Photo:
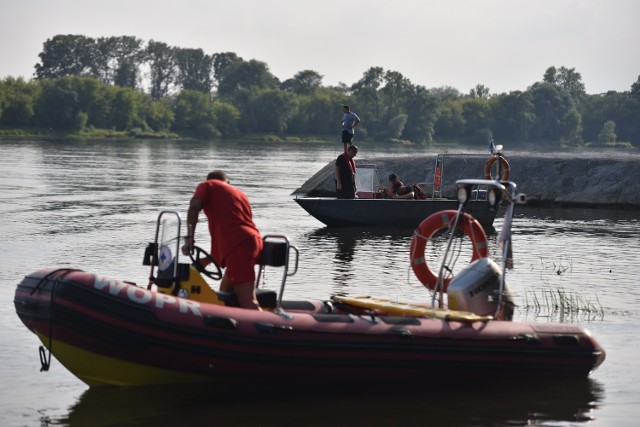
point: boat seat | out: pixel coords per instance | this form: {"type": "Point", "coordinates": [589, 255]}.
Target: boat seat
{"type": "Point", "coordinates": [266, 298]}
{"type": "Point", "coordinates": [276, 250]}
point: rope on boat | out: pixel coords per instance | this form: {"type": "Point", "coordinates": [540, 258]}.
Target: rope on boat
{"type": "Point", "coordinates": [45, 359]}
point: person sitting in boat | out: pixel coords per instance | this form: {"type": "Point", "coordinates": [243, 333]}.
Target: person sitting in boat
{"type": "Point", "coordinates": [235, 240]}
{"type": "Point", "coordinates": [397, 189]}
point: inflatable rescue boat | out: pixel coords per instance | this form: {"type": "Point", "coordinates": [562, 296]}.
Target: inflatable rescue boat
{"type": "Point", "coordinates": [177, 329]}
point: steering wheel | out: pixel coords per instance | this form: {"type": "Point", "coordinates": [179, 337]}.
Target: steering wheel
{"type": "Point", "coordinates": [213, 272]}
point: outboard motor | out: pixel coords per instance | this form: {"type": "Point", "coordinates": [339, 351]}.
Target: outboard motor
{"type": "Point", "coordinates": [476, 289]}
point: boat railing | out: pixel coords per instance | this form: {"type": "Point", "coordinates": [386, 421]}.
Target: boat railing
{"type": "Point", "coordinates": [276, 252]}
{"type": "Point", "coordinates": [498, 192]}
{"type": "Point", "coordinates": [163, 253]}
{"type": "Point", "coordinates": [435, 181]}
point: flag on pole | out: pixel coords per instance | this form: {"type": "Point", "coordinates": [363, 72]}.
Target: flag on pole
{"type": "Point", "coordinates": [492, 146]}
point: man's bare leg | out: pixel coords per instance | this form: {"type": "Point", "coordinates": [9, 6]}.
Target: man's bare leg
{"type": "Point", "coordinates": [246, 295]}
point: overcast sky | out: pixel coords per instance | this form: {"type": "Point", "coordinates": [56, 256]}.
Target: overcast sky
{"type": "Point", "coordinates": [505, 45]}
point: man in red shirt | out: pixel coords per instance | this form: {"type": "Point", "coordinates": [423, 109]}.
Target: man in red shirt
{"type": "Point", "coordinates": [345, 174]}
{"type": "Point", "coordinates": [235, 240]}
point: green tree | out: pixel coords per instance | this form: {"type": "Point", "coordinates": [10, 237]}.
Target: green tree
{"type": "Point", "coordinates": [512, 116]}
{"type": "Point", "coordinates": [551, 76]}
{"type": "Point", "coordinates": [58, 107]}
{"type": "Point", "coordinates": [480, 91]}
{"type": "Point", "coordinates": [17, 99]}
{"type": "Point", "coordinates": [555, 114]}
{"type": "Point", "coordinates": [126, 108]}
{"type": "Point", "coordinates": [272, 109]}
{"type": "Point", "coordinates": [571, 81]}
{"type": "Point", "coordinates": [157, 115]}
{"type": "Point", "coordinates": [162, 68]}
{"type": "Point", "coordinates": [445, 93]}
{"type": "Point", "coordinates": [193, 111]}
{"type": "Point", "coordinates": [227, 117]}
{"type": "Point", "coordinates": [221, 61]}
{"type": "Point", "coordinates": [477, 117]}
{"type": "Point", "coordinates": [608, 132]}
{"type": "Point", "coordinates": [367, 93]}
{"type": "Point", "coordinates": [451, 122]}
{"type": "Point", "coordinates": [318, 114]}
{"type": "Point", "coordinates": [422, 109]}
{"type": "Point", "coordinates": [383, 98]}
{"type": "Point", "coordinates": [96, 100]}
{"type": "Point", "coordinates": [242, 75]}
{"type": "Point", "coordinates": [66, 55]}
{"type": "Point", "coordinates": [396, 126]}
{"type": "Point", "coordinates": [619, 107]}
{"type": "Point", "coordinates": [195, 70]}
{"type": "Point", "coordinates": [635, 89]}
{"type": "Point", "coordinates": [568, 79]}
{"type": "Point", "coordinates": [305, 82]}
{"type": "Point", "coordinates": [120, 59]}
{"type": "Point", "coordinates": [395, 93]}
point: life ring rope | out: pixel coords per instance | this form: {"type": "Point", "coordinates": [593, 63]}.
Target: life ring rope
{"type": "Point", "coordinates": [431, 225]}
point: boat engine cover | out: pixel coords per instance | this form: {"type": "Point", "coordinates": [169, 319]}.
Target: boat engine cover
{"type": "Point", "coordinates": [476, 288]}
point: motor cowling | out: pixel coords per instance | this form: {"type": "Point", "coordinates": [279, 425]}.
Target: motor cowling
{"type": "Point", "coordinates": [476, 289]}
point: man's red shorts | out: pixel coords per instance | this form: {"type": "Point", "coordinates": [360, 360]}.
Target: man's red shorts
{"type": "Point", "coordinates": [241, 261]}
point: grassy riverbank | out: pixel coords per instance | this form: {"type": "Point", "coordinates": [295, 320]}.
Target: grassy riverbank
{"type": "Point", "coordinates": [107, 134]}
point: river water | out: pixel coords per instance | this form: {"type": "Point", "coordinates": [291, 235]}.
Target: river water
{"type": "Point", "coordinates": [93, 205]}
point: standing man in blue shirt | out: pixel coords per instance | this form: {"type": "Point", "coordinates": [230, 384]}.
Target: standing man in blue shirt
{"type": "Point", "coordinates": [349, 121]}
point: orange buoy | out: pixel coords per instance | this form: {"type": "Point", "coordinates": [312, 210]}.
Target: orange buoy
{"type": "Point", "coordinates": [503, 164]}
{"type": "Point", "coordinates": [431, 225]}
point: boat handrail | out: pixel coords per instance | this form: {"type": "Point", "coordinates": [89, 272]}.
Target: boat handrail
{"type": "Point", "coordinates": [498, 192]}
{"type": "Point", "coordinates": [276, 253]}
{"type": "Point", "coordinates": [156, 249]}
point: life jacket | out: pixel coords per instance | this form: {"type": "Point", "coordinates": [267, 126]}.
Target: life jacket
{"type": "Point", "coordinates": [418, 192]}
{"type": "Point", "coordinates": [350, 162]}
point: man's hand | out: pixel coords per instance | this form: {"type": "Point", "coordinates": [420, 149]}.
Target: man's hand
{"type": "Point", "coordinates": [187, 248]}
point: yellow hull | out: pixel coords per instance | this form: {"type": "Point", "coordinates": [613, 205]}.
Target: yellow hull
{"type": "Point", "coordinates": [97, 370]}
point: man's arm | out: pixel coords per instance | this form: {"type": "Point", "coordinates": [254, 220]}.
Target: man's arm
{"type": "Point", "coordinates": [338, 182]}
{"type": "Point", "coordinates": [408, 195]}
{"type": "Point", "coordinates": [404, 193]}
{"type": "Point", "coordinates": [192, 220]}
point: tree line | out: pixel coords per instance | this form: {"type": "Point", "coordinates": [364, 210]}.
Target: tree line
{"type": "Point", "coordinates": [127, 85]}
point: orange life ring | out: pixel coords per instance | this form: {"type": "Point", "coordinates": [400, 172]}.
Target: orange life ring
{"type": "Point", "coordinates": [503, 164]}
{"type": "Point", "coordinates": [434, 223]}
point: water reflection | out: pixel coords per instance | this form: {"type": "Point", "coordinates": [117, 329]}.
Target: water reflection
{"type": "Point", "coordinates": [495, 403]}
{"type": "Point", "coordinates": [347, 244]}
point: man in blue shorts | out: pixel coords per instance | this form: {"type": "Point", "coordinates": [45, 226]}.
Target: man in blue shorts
{"type": "Point", "coordinates": [349, 121]}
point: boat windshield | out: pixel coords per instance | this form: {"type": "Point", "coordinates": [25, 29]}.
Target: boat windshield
{"type": "Point", "coordinates": [367, 181]}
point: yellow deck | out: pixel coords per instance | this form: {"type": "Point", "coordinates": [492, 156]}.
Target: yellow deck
{"type": "Point", "coordinates": [410, 310]}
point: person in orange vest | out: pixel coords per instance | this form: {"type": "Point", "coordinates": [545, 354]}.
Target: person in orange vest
{"type": "Point", "coordinates": [346, 174]}
{"type": "Point", "coordinates": [397, 189]}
